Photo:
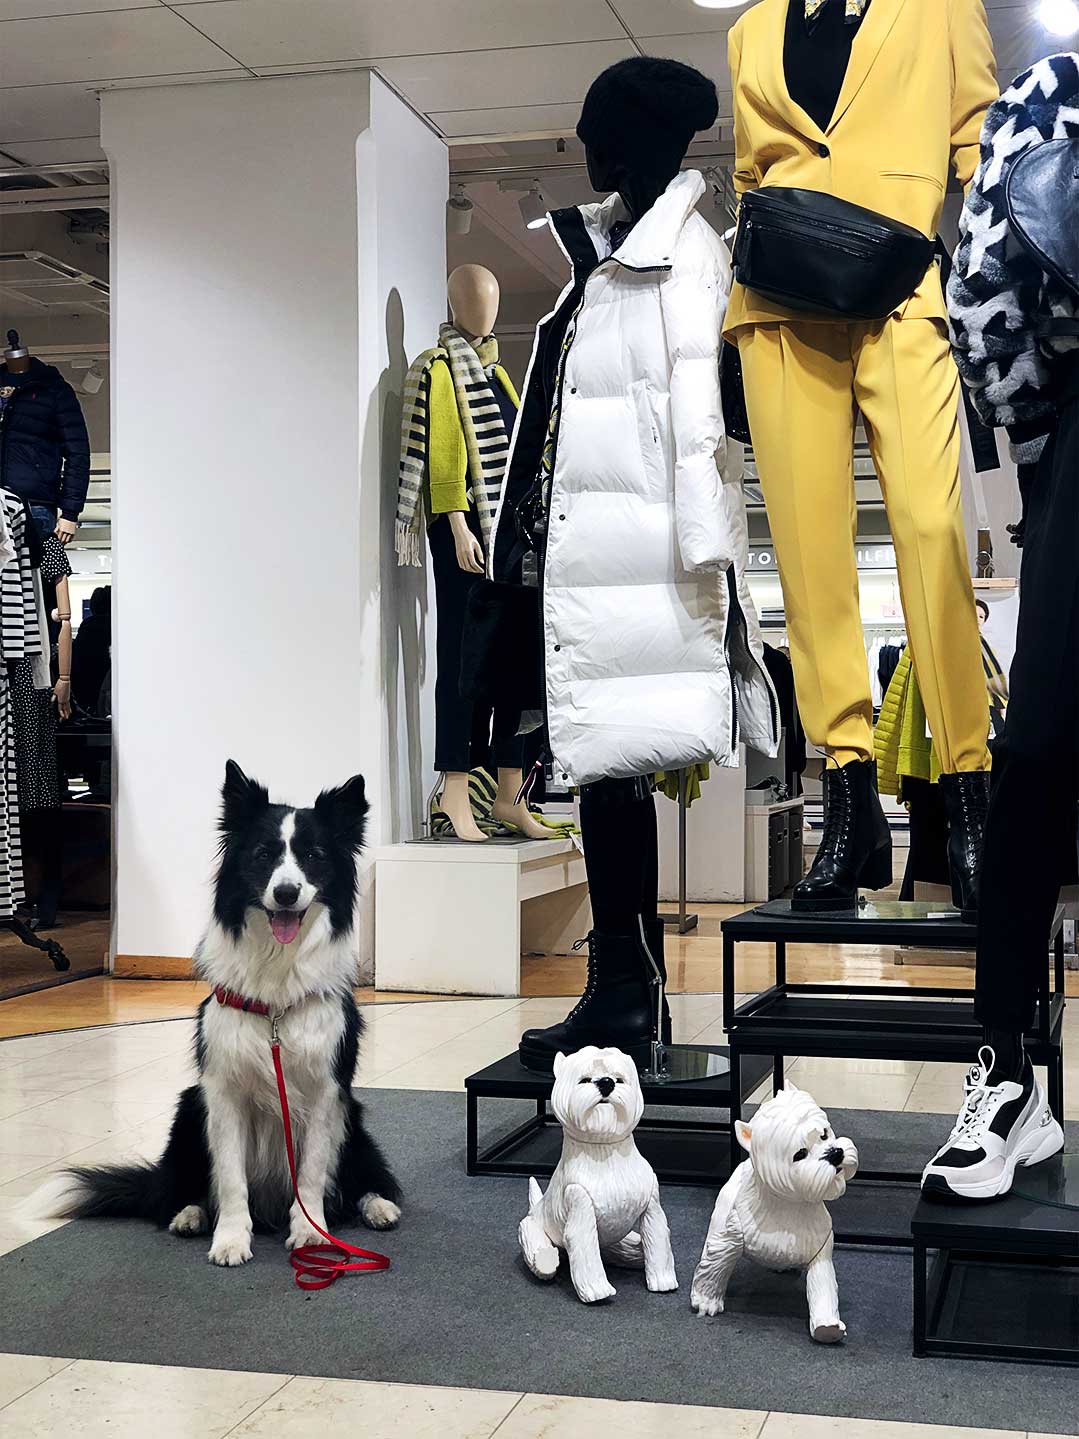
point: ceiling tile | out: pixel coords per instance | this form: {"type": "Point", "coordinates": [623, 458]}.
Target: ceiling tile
{"type": "Point", "coordinates": [265, 33]}
{"type": "Point", "coordinates": [536, 75]}
{"type": "Point", "coordinates": [707, 53]}
{"type": "Point", "coordinates": [36, 9]}
{"type": "Point", "coordinates": [56, 152]}
{"type": "Point", "coordinates": [108, 46]}
{"type": "Point", "coordinates": [47, 112]}
{"type": "Point", "coordinates": [646, 18]}
{"type": "Point", "coordinates": [509, 120]}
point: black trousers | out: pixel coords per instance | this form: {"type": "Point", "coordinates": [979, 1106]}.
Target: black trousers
{"type": "Point", "coordinates": [621, 852]}
{"type": "Point", "coordinates": [466, 735]}
{"type": "Point", "coordinates": [1030, 840]}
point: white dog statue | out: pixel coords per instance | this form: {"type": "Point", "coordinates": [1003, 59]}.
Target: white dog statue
{"type": "Point", "coordinates": [772, 1209]}
{"type": "Point", "coordinates": [603, 1199]}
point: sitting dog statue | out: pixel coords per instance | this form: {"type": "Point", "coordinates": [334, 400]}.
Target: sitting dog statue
{"type": "Point", "coordinates": [772, 1209]}
{"type": "Point", "coordinates": [603, 1199]}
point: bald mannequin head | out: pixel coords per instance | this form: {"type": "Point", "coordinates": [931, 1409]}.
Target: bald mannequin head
{"type": "Point", "coordinates": [473, 297]}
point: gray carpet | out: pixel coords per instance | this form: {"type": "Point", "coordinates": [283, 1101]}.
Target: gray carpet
{"type": "Point", "coordinates": [458, 1308]}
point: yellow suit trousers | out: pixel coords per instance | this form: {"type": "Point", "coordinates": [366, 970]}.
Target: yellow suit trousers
{"type": "Point", "coordinates": [805, 382]}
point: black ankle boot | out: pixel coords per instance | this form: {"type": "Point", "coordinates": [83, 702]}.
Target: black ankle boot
{"type": "Point", "coordinates": [856, 846]}
{"type": "Point", "coordinates": [966, 798]}
{"type": "Point", "coordinates": [615, 1009]}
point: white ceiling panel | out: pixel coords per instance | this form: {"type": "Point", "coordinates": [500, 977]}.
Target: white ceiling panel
{"type": "Point", "coordinates": [707, 53]}
{"type": "Point", "coordinates": [262, 33]}
{"type": "Point", "coordinates": [53, 152]}
{"type": "Point", "coordinates": [47, 112]}
{"type": "Point", "coordinates": [532, 76]}
{"type": "Point", "coordinates": [646, 18]}
{"type": "Point", "coordinates": [509, 120]}
{"type": "Point", "coordinates": [37, 9]}
{"type": "Point", "coordinates": [107, 46]}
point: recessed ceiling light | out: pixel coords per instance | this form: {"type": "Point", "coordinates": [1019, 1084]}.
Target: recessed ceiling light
{"type": "Point", "coordinates": [719, 4]}
{"type": "Point", "coordinates": [1059, 17]}
{"type": "Point", "coordinates": [533, 208]}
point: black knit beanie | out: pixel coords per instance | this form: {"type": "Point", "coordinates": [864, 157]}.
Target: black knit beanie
{"type": "Point", "coordinates": [643, 112]}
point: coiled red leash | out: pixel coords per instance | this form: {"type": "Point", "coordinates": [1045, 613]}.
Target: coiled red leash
{"type": "Point", "coordinates": [317, 1266]}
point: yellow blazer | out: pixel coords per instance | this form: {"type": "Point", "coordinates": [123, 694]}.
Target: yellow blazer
{"type": "Point", "coordinates": [920, 79]}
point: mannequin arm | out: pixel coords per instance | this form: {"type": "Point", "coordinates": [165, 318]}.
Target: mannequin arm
{"type": "Point", "coordinates": [62, 688]}
{"type": "Point", "coordinates": [974, 82]}
{"type": "Point", "coordinates": [744, 176]}
{"type": "Point", "coordinates": [447, 458]}
{"type": "Point", "coordinates": [469, 549]}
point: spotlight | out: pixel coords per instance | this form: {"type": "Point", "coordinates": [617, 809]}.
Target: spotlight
{"type": "Point", "coordinates": [459, 212]}
{"type": "Point", "coordinates": [719, 4]}
{"type": "Point", "coordinates": [92, 381]}
{"type": "Point", "coordinates": [533, 208]}
{"type": "Point", "coordinates": [1059, 17]}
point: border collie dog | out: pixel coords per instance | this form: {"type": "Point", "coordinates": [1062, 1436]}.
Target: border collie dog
{"type": "Point", "coordinates": [278, 949]}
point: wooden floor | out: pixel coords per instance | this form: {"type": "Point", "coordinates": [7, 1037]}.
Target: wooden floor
{"type": "Point", "coordinates": [694, 966]}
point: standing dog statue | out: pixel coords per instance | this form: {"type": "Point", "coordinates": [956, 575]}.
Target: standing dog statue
{"type": "Point", "coordinates": [772, 1209]}
{"type": "Point", "coordinates": [603, 1199]}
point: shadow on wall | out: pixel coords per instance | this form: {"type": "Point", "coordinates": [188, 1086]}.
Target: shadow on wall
{"type": "Point", "coordinates": [404, 606]}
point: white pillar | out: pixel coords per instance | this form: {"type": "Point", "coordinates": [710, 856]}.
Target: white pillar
{"type": "Point", "coordinates": [277, 250]}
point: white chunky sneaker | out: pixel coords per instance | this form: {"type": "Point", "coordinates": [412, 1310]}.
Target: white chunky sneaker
{"type": "Point", "coordinates": [1000, 1127]}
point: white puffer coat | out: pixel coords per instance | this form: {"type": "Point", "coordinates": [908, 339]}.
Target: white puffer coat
{"type": "Point", "coordinates": [652, 647]}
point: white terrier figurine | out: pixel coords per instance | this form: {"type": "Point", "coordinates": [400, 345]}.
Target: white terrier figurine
{"type": "Point", "coordinates": [772, 1209]}
{"type": "Point", "coordinates": [603, 1198]}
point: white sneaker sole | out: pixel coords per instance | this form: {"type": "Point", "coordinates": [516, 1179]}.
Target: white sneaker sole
{"type": "Point", "coordinates": [1038, 1144]}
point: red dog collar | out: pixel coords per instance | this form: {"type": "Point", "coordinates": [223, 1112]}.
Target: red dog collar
{"type": "Point", "coordinates": [233, 1000]}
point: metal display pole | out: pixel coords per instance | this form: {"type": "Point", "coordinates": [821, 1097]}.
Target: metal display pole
{"type": "Point", "coordinates": [685, 922]}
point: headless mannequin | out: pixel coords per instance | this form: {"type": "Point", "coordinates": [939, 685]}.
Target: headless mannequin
{"type": "Point", "coordinates": [473, 296]}
{"type": "Point", "coordinates": [17, 362]}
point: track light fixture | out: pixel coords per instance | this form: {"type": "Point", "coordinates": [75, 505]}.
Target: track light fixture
{"type": "Point", "coordinates": [533, 208]}
{"type": "Point", "coordinates": [459, 212]}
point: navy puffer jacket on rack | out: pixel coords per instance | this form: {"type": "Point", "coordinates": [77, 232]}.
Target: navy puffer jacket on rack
{"type": "Point", "coordinates": [44, 447]}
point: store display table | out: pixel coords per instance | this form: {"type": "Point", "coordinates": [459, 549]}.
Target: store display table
{"type": "Point", "coordinates": [841, 1021]}
{"type": "Point", "coordinates": [681, 1150]}
{"type": "Point", "coordinates": [455, 918]}
{"type": "Point", "coordinates": [1003, 1282]}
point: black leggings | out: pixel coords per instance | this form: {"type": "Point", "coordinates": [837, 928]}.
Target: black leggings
{"type": "Point", "coordinates": [463, 730]}
{"type": "Point", "coordinates": [1030, 838]}
{"type": "Point", "coordinates": [621, 852]}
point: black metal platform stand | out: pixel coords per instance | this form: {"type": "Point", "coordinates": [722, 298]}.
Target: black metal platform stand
{"type": "Point", "coordinates": [23, 932]}
{"type": "Point", "coordinates": [838, 1021]}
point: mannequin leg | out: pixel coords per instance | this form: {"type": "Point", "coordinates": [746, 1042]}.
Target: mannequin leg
{"type": "Point", "coordinates": [508, 749]}
{"type": "Point", "coordinates": [907, 387]}
{"type": "Point", "coordinates": [621, 848]}
{"type": "Point", "coordinates": [799, 394]}
{"type": "Point", "coordinates": [453, 715]}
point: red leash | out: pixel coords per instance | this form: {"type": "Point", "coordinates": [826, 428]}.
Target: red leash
{"type": "Point", "coordinates": [317, 1266]}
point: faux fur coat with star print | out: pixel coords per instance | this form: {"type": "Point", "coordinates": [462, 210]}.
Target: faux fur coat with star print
{"type": "Point", "coordinates": [998, 294]}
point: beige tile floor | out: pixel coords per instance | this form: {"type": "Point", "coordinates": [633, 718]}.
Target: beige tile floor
{"type": "Point", "coordinates": [105, 1094]}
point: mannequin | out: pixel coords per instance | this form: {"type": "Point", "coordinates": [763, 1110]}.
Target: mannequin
{"type": "Point", "coordinates": [42, 426]}
{"type": "Point", "coordinates": [863, 100]}
{"type": "Point", "coordinates": [453, 497]}
{"type": "Point", "coordinates": [615, 464]}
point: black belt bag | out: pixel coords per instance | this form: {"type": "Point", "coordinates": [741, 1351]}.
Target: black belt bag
{"type": "Point", "coordinates": [811, 251]}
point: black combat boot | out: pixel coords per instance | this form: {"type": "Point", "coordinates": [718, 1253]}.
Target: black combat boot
{"type": "Point", "coordinates": [966, 798]}
{"type": "Point", "coordinates": [615, 1010]}
{"type": "Point", "coordinates": [856, 846]}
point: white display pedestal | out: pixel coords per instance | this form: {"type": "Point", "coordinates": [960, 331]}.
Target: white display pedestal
{"type": "Point", "coordinates": [455, 918]}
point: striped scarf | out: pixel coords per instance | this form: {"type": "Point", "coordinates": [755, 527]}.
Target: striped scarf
{"type": "Point", "coordinates": [486, 440]}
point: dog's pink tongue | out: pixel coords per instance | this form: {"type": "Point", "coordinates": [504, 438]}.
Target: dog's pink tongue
{"type": "Point", "coordinates": [285, 925]}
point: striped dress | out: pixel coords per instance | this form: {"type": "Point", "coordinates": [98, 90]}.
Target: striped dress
{"type": "Point", "coordinates": [20, 638]}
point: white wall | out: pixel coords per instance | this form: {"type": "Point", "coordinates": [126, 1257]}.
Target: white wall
{"type": "Point", "coordinates": [247, 275]}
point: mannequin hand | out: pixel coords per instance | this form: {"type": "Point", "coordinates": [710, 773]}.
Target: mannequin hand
{"type": "Point", "coordinates": [469, 549]}
{"type": "Point", "coordinates": [65, 530]}
{"type": "Point", "coordinates": [61, 697]}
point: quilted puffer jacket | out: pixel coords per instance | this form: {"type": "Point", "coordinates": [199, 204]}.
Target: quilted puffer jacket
{"type": "Point", "coordinates": [652, 647]}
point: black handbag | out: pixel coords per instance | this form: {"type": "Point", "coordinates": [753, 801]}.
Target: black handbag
{"type": "Point", "coordinates": [811, 251]}
{"type": "Point", "coordinates": [1042, 199]}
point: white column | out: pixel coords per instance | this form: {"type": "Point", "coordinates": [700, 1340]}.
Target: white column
{"type": "Point", "coordinates": [269, 277]}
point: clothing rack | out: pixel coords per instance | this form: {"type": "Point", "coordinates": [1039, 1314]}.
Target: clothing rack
{"type": "Point", "coordinates": [685, 922]}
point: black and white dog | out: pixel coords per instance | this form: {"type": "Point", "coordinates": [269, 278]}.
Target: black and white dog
{"type": "Point", "coordinates": [279, 947]}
